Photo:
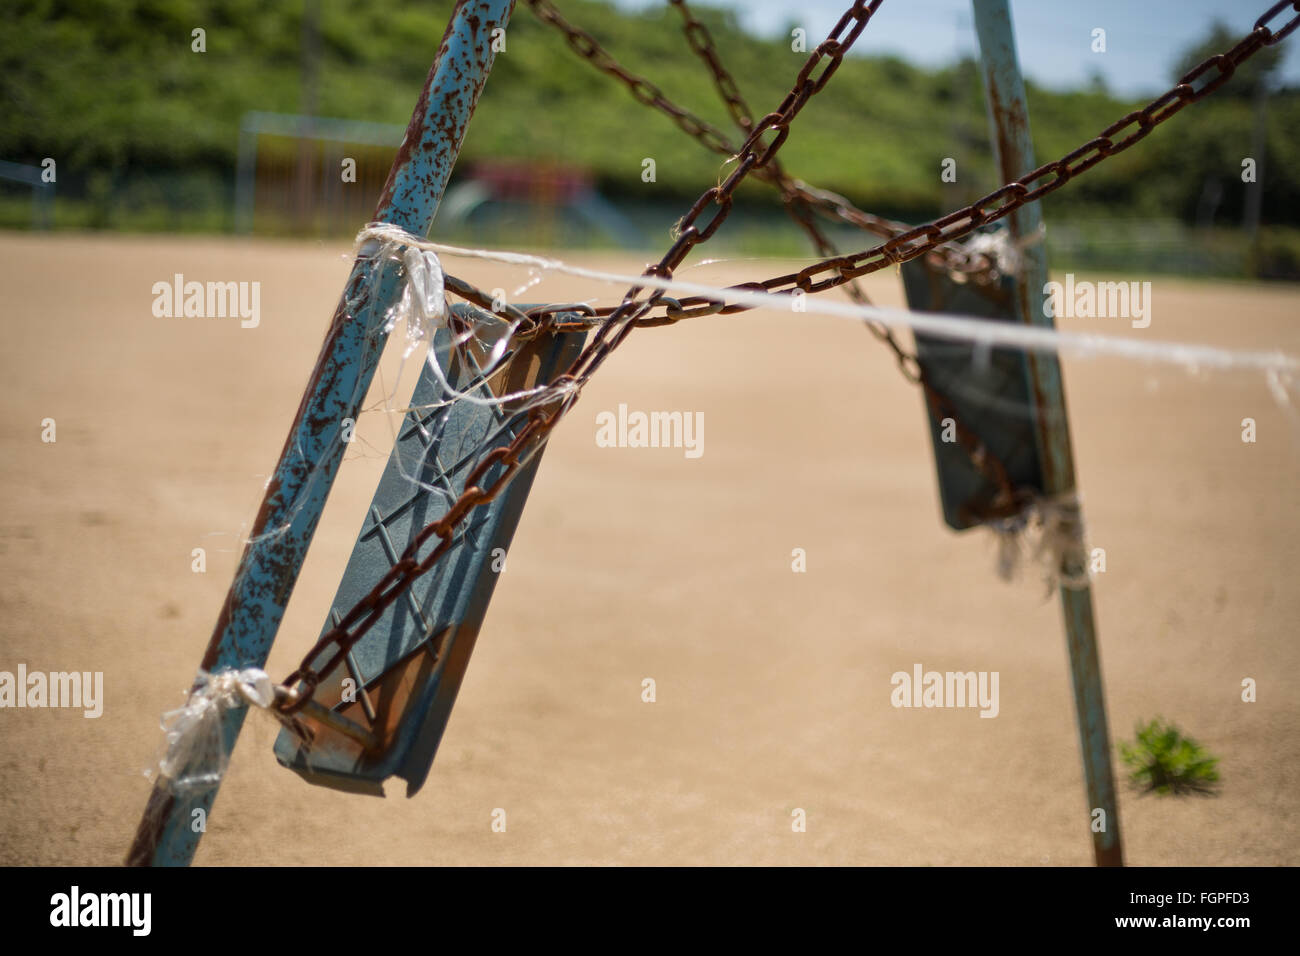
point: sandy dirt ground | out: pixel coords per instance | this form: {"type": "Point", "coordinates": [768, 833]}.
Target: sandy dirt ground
{"type": "Point", "coordinates": [773, 687]}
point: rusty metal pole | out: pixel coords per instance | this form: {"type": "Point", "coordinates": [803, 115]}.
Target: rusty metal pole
{"type": "Point", "coordinates": [1009, 121]}
{"type": "Point", "coordinates": [170, 829]}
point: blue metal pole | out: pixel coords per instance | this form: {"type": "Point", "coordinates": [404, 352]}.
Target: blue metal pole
{"type": "Point", "coordinates": [1009, 121]}
{"type": "Point", "coordinates": [170, 829]}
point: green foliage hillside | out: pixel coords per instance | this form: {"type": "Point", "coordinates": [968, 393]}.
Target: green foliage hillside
{"type": "Point", "coordinates": [112, 89]}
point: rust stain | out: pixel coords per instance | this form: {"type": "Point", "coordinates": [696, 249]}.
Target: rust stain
{"type": "Point", "coordinates": [392, 694]}
{"type": "Point", "coordinates": [448, 123]}
{"type": "Point", "coordinates": [1005, 125]}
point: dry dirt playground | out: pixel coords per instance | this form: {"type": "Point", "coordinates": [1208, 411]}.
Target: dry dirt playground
{"type": "Point", "coordinates": [773, 687]}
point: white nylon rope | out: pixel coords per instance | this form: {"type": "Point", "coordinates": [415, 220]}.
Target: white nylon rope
{"type": "Point", "coordinates": [1191, 356]}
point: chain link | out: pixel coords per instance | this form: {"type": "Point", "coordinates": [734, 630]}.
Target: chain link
{"type": "Point", "coordinates": [701, 43]}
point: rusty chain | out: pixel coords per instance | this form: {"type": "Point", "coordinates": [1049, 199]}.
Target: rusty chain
{"type": "Point", "coordinates": [918, 241]}
{"type": "Point", "coordinates": [701, 43]}
{"type": "Point", "coordinates": [755, 155]}
{"type": "Point", "coordinates": [981, 458]}
{"type": "Point", "coordinates": [410, 566]}
{"type": "Point", "coordinates": [832, 205]}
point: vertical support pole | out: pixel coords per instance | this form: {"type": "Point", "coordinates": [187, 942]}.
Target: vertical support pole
{"type": "Point", "coordinates": [169, 831]}
{"type": "Point", "coordinates": [1009, 121]}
